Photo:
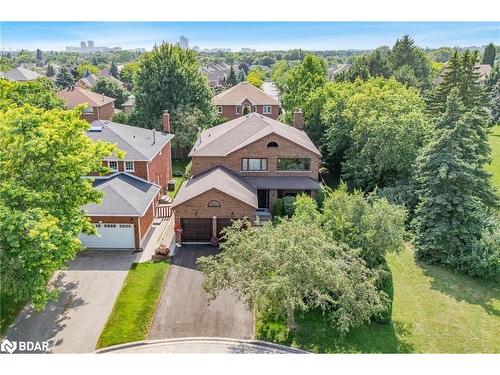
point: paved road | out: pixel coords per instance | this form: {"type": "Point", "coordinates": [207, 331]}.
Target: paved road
{"type": "Point", "coordinates": [73, 323]}
{"type": "Point", "coordinates": [202, 345]}
{"type": "Point", "coordinates": [183, 310]}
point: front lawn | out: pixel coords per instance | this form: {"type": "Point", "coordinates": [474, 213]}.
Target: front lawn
{"type": "Point", "coordinates": [134, 308]}
{"type": "Point", "coordinates": [494, 167]}
{"type": "Point", "coordinates": [435, 311]}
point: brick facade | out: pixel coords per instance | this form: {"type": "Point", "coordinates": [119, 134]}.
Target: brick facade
{"type": "Point", "coordinates": [198, 207]}
{"type": "Point", "coordinates": [229, 111]}
{"type": "Point", "coordinates": [100, 113]}
{"type": "Point", "coordinates": [259, 149]}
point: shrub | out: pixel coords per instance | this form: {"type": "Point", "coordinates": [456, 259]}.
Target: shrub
{"type": "Point", "coordinates": [178, 173]}
{"type": "Point", "coordinates": [288, 205]}
{"type": "Point", "coordinates": [188, 170]}
{"type": "Point", "coordinates": [385, 284]}
{"type": "Point", "coordinates": [278, 208]}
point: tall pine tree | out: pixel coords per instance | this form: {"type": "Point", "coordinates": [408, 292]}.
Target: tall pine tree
{"type": "Point", "coordinates": [489, 54]}
{"type": "Point", "coordinates": [64, 78]}
{"type": "Point", "coordinates": [456, 198]}
{"type": "Point", "coordinates": [231, 78]}
{"type": "Point", "coordinates": [113, 70]}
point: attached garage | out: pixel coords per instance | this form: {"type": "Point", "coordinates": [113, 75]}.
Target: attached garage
{"type": "Point", "coordinates": [111, 236]}
{"type": "Point", "coordinates": [196, 230]}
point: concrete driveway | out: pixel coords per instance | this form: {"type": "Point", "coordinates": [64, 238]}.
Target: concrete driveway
{"type": "Point", "coordinates": [184, 311]}
{"type": "Point", "coordinates": [73, 323]}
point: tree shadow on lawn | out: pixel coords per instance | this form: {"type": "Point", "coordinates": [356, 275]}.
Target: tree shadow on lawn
{"type": "Point", "coordinates": [464, 288]}
{"type": "Point", "coordinates": [316, 335]}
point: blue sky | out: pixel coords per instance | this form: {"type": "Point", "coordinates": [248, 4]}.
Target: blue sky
{"type": "Point", "coordinates": [235, 35]}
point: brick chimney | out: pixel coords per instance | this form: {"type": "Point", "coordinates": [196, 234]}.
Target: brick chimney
{"type": "Point", "coordinates": [298, 121]}
{"type": "Point", "coordinates": [166, 122]}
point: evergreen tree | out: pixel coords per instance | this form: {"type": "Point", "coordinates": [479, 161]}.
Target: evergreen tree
{"type": "Point", "coordinates": [64, 78]}
{"type": "Point", "coordinates": [460, 73]}
{"type": "Point", "coordinates": [489, 54]}
{"type": "Point", "coordinates": [39, 54]}
{"type": "Point", "coordinates": [50, 71]}
{"type": "Point", "coordinates": [455, 193]}
{"type": "Point", "coordinates": [495, 105]}
{"type": "Point", "coordinates": [241, 76]}
{"type": "Point", "coordinates": [113, 70]}
{"type": "Point", "coordinates": [231, 78]}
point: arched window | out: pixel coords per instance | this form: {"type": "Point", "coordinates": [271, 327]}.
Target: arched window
{"type": "Point", "coordinates": [272, 144]}
{"type": "Point", "coordinates": [214, 204]}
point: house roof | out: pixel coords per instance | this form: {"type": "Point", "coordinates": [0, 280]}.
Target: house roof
{"type": "Point", "coordinates": [74, 96]}
{"type": "Point", "coordinates": [124, 195]}
{"type": "Point", "coordinates": [221, 179]}
{"type": "Point", "coordinates": [236, 94]}
{"type": "Point", "coordinates": [221, 140]}
{"type": "Point", "coordinates": [88, 80]}
{"type": "Point", "coordinates": [136, 142]}
{"type": "Point", "coordinates": [484, 71]}
{"type": "Point", "coordinates": [283, 182]}
{"type": "Point", "coordinates": [21, 74]}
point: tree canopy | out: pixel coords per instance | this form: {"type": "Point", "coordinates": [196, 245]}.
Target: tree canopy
{"type": "Point", "coordinates": [166, 78]}
{"type": "Point", "coordinates": [489, 54]}
{"type": "Point", "coordinates": [256, 77]}
{"type": "Point", "coordinates": [40, 93]}
{"type": "Point", "coordinates": [43, 156]}
{"type": "Point", "coordinates": [113, 89]}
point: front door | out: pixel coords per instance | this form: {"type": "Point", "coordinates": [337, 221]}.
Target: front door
{"type": "Point", "coordinates": [263, 198]}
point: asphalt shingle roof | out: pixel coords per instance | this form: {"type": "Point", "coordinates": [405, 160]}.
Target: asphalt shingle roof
{"type": "Point", "coordinates": [221, 179]}
{"type": "Point", "coordinates": [283, 182]}
{"type": "Point", "coordinates": [233, 135]}
{"type": "Point", "coordinates": [21, 74]}
{"type": "Point", "coordinates": [124, 195]}
{"type": "Point", "coordinates": [244, 90]}
{"type": "Point", "coordinates": [74, 96]}
{"type": "Point", "coordinates": [136, 142]}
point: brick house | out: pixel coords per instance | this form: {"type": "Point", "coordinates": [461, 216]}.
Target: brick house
{"type": "Point", "coordinates": [99, 106]}
{"type": "Point", "coordinates": [132, 189]}
{"type": "Point", "coordinates": [239, 170]}
{"type": "Point", "coordinates": [245, 98]}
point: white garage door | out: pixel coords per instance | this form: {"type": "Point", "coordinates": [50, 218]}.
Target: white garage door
{"type": "Point", "coordinates": [110, 236]}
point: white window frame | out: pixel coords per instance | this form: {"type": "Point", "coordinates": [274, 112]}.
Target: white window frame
{"type": "Point", "coordinates": [237, 109]}
{"type": "Point", "coordinates": [219, 109]}
{"type": "Point", "coordinates": [245, 165]}
{"type": "Point", "coordinates": [88, 110]}
{"type": "Point", "coordinates": [267, 110]}
{"type": "Point", "coordinates": [129, 169]}
{"type": "Point", "coordinates": [110, 167]}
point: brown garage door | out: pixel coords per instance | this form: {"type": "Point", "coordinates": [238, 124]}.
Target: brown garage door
{"type": "Point", "coordinates": [221, 224]}
{"type": "Point", "coordinates": [196, 229]}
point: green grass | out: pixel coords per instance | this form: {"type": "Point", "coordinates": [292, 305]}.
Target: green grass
{"type": "Point", "coordinates": [179, 165]}
{"type": "Point", "coordinates": [9, 309]}
{"type": "Point", "coordinates": [494, 167]}
{"type": "Point", "coordinates": [134, 308]}
{"type": "Point", "coordinates": [435, 311]}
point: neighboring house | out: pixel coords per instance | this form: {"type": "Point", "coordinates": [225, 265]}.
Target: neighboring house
{"type": "Point", "coordinates": [484, 71]}
{"type": "Point", "coordinates": [87, 82]}
{"type": "Point", "coordinates": [245, 98]}
{"type": "Point", "coordinates": [21, 74]}
{"type": "Point", "coordinates": [239, 170]}
{"type": "Point", "coordinates": [132, 190]}
{"type": "Point", "coordinates": [337, 69]}
{"type": "Point", "coordinates": [217, 73]}
{"type": "Point", "coordinates": [99, 106]}
{"type": "Point", "coordinates": [128, 106]}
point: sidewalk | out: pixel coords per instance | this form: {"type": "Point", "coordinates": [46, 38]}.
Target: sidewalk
{"type": "Point", "coordinates": [161, 233]}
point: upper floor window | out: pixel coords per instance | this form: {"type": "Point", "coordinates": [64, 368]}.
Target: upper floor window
{"type": "Point", "coordinates": [254, 108]}
{"type": "Point", "coordinates": [129, 166]}
{"type": "Point", "coordinates": [214, 203]}
{"type": "Point", "coordinates": [296, 164]}
{"type": "Point", "coordinates": [219, 109]}
{"type": "Point", "coordinates": [237, 110]}
{"type": "Point", "coordinates": [272, 144]}
{"type": "Point", "coordinates": [113, 165]}
{"type": "Point", "coordinates": [254, 164]}
{"type": "Point", "coordinates": [88, 111]}
{"type": "Point", "coordinates": [266, 110]}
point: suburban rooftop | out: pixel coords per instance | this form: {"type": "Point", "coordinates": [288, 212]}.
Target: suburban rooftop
{"type": "Point", "coordinates": [236, 95]}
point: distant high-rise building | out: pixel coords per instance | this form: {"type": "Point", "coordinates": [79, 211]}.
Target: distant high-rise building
{"type": "Point", "coordinates": [90, 45]}
{"type": "Point", "coordinates": [83, 46]}
{"type": "Point", "coordinates": [183, 42]}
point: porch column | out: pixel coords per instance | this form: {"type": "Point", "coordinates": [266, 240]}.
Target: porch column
{"type": "Point", "coordinates": [214, 226]}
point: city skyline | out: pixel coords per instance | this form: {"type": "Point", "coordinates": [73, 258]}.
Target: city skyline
{"type": "Point", "coordinates": [241, 35]}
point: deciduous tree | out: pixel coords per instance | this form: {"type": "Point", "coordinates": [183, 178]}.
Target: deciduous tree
{"type": "Point", "coordinates": [113, 89]}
